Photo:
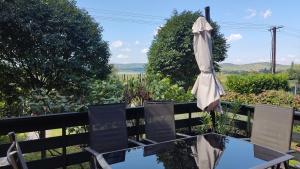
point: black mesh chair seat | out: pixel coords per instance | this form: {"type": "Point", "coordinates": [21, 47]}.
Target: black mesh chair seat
{"type": "Point", "coordinates": [160, 122]}
{"type": "Point", "coordinates": [272, 128]}
{"type": "Point", "coordinates": [107, 130]}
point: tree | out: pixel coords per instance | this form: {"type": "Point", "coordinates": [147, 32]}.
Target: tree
{"type": "Point", "coordinates": [294, 72]}
{"type": "Point", "coordinates": [171, 53]}
{"type": "Point", "coordinates": [49, 44]}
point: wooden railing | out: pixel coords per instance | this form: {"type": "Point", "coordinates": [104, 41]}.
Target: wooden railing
{"type": "Point", "coordinates": [73, 119]}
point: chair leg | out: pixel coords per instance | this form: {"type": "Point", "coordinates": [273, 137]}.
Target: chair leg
{"type": "Point", "coordinates": [96, 163]}
{"type": "Point", "coordinates": [278, 166]}
{"type": "Point", "coordinates": [93, 163]}
{"type": "Point", "coordinates": [286, 164]}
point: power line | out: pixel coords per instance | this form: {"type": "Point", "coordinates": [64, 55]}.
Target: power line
{"type": "Point", "coordinates": [149, 19]}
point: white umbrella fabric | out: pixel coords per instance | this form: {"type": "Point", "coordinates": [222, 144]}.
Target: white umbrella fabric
{"type": "Point", "coordinates": [207, 88]}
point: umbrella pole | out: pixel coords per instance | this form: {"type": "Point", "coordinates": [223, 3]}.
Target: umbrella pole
{"type": "Point", "coordinates": [212, 113]}
{"type": "Point", "coordinates": [213, 120]}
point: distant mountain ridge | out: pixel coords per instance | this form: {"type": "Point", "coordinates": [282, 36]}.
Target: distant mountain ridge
{"type": "Point", "coordinates": [130, 68]}
{"type": "Point", "coordinates": [256, 67]}
{"type": "Point", "coordinates": [225, 67]}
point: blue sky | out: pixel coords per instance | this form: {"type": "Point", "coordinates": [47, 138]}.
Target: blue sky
{"type": "Point", "coordinates": [129, 26]}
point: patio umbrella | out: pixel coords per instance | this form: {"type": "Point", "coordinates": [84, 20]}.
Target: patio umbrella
{"type": "Point", "coordinates": [207, 88]}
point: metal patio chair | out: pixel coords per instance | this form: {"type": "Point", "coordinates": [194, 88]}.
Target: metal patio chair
{"type": "Point", "coordinates": [160, 122]}
{"type": "Point", "coordinates": [14, 154]}
{"type": "Point", "coordinates": [107, 131]}
{"type": "Point", "coordinates": [272, 128]}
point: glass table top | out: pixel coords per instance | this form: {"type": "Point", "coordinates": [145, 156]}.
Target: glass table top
{"type": "Point", "coordinates": [200, 152]}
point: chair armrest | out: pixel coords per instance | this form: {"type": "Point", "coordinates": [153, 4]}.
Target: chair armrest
{"type": "Point", "coordinates": [100, 159]}
{"type": "Point", "coordinates": [183, 135]}
{"type": "Point", "coordinates": [92, 151]}
{"type": "Point", "coordinates": [150, 141]}
{"type": "Point", "coordinates": [136, 142]}
{"type": "Point", "coordinates": [246, 139]}
{"type": "Point", "coordinates": [291, 151]}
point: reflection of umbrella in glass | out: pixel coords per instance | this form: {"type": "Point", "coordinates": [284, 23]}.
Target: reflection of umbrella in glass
{"type": "Point", "coordinates": [208, 150]}
{"type": "Point", "coordinates": [207, 88]}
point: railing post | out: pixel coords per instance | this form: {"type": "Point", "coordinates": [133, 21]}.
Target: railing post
{"type": "Point", "coordinates": [42, 135]}
{"type": "Point", "coordinates": [64, 149]}
{"type": "Point", "coordinates": [190, 119]}
{"type": "Point", "coordinates": [137, 125]}
{"type": "Point", "coordinates": [213, 120]}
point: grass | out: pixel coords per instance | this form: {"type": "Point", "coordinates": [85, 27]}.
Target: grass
{"type": "Point", "coordinates": [5, 139]}
{"type": "Point", "coordinates": [49, 153]}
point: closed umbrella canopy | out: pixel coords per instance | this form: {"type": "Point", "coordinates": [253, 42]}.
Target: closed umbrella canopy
{"type": "Point", "coordinates": [207, 88]}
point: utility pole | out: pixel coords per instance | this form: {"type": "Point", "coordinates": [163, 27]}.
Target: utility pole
{"type": "Point", "coordinates": [273, 31]}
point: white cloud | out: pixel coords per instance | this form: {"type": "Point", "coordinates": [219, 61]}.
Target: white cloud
{"type": "Point", "coordinates": [267, 13]}
{"type": "Point", "coordinates": [292, 56]}
{"type": "Point", "coordinates": [137, 42]}
{"type": "Point", "coordinates": [155, 32]}
{"type": "Point", "coordinates": [263, 60]}
{"type": "Point", "coordinates": [117, 44]}
{"type": "Point", "coordinates": [121, 56]}
{"type": "Point", "coordinates": [145, 50]}
{"type": "Point", "coordinates": [251, 13]}
{"type": "Point", "coordinates": [234, 37]}
{"type": "Point", "coordinates": [157, 29]}
{"type": "Point", "coordinates": [126, 49]}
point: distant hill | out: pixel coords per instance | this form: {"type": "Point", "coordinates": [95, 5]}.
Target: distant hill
{"type": "Point", "coordinates": [225, 67]}
{"type": "Point", "coordinates": [256, 67]}
{"type": "Point", "coordinates": [130, 68]}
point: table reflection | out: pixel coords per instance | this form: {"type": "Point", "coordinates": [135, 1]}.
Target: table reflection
{"type": "Point", "coordinates": [208, 150]}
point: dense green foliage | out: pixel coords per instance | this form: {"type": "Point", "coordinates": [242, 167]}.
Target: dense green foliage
{"type": "Point", "coordinates": [48, 44]}
{"type": "Point", "coordinates": [41, 101]}
{"type": "Point", "coordinates": [171, 53]}
{"type": "Point", "coordinates": [136, 91]}
{"type": "Point", "coordinates": [256, 83]}
{"type": "Point", "coordinates": [294, 72]}
{"type": "Point", "coordinates": [280, 98]}
{"type": "Point", "coordinates": [106, 91]}
{"type": "Point", "coordinates": [164, 90]}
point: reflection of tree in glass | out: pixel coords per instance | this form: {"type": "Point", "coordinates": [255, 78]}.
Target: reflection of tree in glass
{"type": "Point", "coordinates": [177, 157]}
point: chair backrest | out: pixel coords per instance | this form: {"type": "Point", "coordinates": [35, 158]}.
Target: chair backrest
{"type": "Point", "coordinates": [159, 121]}
{"type": "Point", "coordinates": [272, 127]}
{"type": "Point", "coordinates": [14, 154]}
{"type": "Point", "coordinates": [107, 127]}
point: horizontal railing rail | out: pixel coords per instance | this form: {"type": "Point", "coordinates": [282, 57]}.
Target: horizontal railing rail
{"type": "Point", "coordinates": [73, 119]}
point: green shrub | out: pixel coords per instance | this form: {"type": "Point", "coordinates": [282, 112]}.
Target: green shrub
{"type": "Point", "coordinates": [136, 91]}
{"type": "Point", "coordinates": [256, 83]}
{"type": "Point", "coordinates": [280, 98]}
{"type": "Point", "coordinates": [294, 72]}
{"type": "Point", "coordinates": [42, 101]}
{"type": "Point", "coordinates": [164, 90]}
{"type": "Point", "coordinates": [105, 91]}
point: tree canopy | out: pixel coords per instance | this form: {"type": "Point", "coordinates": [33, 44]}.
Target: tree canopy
{"type": "Point", "coordinates": [50, 44]}
{"type": "Point", "coordinates": [171, 53]}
